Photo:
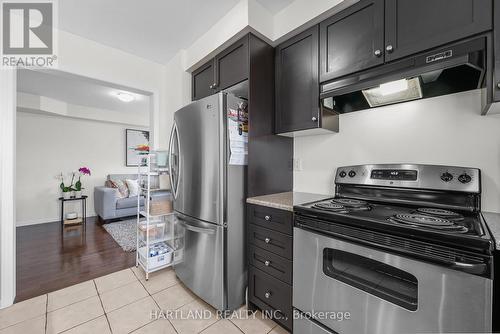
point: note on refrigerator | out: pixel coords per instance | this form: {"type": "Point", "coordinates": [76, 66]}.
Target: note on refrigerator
{"type": "Point", "coordinates": [238, 143]}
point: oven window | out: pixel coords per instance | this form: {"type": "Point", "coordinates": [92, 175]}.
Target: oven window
{"type": "Point", "coordinates": [374, 277]}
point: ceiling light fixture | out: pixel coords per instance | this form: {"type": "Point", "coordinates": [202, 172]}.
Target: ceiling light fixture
{"type": "Point", "coordinates": [125, 97]}
{"type": "Point", "coordinates": [394, 92]}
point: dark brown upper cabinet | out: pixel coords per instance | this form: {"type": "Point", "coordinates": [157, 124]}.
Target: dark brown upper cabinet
{"type": "Point", "coordinates": [352, 40]}
{"type": "Point", "coordinates": [227, 69]}
{"type": "Point", "coordinates": [202, 81]}
{"type": "Point", "coordinates": [231, 65]}
{"type": "Point", "coordinates": [415, 26]}
{"type": "Point", "coordinates": [297, 84]}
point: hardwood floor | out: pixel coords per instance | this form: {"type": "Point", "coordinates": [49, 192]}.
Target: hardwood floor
{"type": "Point", "coordinates": [46, 262]}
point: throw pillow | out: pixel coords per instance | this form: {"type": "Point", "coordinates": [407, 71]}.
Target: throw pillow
{"type": "Point", "coordinates": [120, 186]}
{"type": "Point", "coordinates": [133, 187]}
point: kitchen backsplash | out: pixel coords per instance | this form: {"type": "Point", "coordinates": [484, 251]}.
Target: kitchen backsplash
{"type": "Point", "coordinates": [446, 130]}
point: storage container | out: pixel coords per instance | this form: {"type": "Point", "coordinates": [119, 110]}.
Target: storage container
{"type": "Point", "coordinates": [156, 231]}
{"type": "Point", "coordinates": [158, 256]}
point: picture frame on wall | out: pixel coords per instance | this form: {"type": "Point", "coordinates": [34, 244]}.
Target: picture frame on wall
{"type": "Point", "coordinates": [134, 138]}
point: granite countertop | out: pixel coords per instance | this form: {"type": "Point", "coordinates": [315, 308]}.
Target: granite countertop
{"type": "Point", "coordinates": [286, 201]}
{"type": "Point", "coordinates": [493, 221]}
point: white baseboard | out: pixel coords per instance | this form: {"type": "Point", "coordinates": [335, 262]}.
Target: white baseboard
{"type": "Point", "coordinates": [37, 221]}
{"type": "Point", "coordinates": [4, 303]}
{"type": "Point", "coordinates": [45, 220]}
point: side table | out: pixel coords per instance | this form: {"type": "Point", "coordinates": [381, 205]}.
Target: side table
{"type": "Point", "coordinates": [83, 199]}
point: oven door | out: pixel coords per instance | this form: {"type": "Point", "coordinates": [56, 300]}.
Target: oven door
{"type": "Point", "coordinates": [379, 292]}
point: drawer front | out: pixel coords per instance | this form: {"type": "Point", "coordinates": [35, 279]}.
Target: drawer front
{"type": "Point", "coordinates": [307, 326]}
{"type": "Point", "coordinates": [270, 294]}
{"type": "Point", "coordinates": [271, 241]}
{"type": "Point", "coordinates": [271, 264]}
{"type": "Point", "coordinates": [274, 219]}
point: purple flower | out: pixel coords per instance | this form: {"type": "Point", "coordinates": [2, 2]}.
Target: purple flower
{"type": "Point", "coordinates": [84, 171]}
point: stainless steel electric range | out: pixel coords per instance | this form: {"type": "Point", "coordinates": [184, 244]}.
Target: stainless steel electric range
{"type": "Point", "coordinates": [400, 249]}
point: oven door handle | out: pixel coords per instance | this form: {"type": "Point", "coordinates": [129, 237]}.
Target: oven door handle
{"type": "Point", "coordinates": [471, 268]}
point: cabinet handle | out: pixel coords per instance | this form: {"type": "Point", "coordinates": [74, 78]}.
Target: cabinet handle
{"type": "Point", "coordinates": [267, 240]}
{"type": "Point", "coordinates": [378, 53]}
{"type": "Point", "coordinates": [498, 85]}
{"type": "Point", "coordinates": [268, 218]}
{"type": "Point", "coordinates": [267, 295]}
{"type": "Point", "coordinates": [267, 263]}
{"type": "Point", "coordinates": [389, 48]}
{"type": "Point", "coordinates": [314, 119]}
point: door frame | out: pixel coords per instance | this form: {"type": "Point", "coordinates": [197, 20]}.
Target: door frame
{"type": "Point", "coordinates": [8, 116]}
{"type": "Point", "coordinates": [7, 186]}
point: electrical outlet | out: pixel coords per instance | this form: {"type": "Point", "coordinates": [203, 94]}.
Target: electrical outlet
{"type": "Point", "coordinates": [297, 165]}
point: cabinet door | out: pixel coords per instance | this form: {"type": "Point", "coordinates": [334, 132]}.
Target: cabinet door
{"type": "Point", "coordinates": [414, 26]}
{"type": "Point", "coordinates": [352, 40]}
{"type": "Point", "coordinates": [231, 65]}
{"type": "Point", "coordinates": [496, 42]}
{"type": "Point", "coordinates": [202, 81]}
{"type": "Point", "coordinates": [297, 85]}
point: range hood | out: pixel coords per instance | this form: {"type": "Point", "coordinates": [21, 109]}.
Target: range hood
{"type": "Point", "coordinates": [455, 68]}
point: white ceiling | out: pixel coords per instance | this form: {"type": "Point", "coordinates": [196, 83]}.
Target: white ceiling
{"type": "Point", "coordinates": [152, 29]}
{"type": "Point", "coordinates": [76, 90]}
{"type": "Point", "coordinates": [274, 6]}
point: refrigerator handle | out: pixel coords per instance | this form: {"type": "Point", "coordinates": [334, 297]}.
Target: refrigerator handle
{"type": "Point", "coordinates": [196, 229]}
{"type": "Point", "coordinates": [173, 185]}
{"type": "Point", "coordinates": [190, 224]}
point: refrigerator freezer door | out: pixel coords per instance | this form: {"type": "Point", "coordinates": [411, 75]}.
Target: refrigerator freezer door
{"type": "Point", "coordinates": [198, 129]}
{"type": "Point", "coordinates": [202, 267]}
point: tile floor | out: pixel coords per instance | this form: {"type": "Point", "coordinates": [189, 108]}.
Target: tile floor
{"type": "Point", "coordinates": [123, 302]}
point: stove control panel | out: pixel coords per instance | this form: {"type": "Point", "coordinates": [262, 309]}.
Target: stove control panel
{"type": "Point", "coordinates": [394, 174]}
{"type": "Point", "coordinates": [433, 177]}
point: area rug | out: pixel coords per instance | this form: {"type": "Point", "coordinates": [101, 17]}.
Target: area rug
{"type": "Point", "coordinates": [124, 232]}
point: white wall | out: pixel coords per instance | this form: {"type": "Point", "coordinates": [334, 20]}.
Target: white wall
{"type": "Point", "coordinates": [176, 96]}
{"type": "Point", "coordinates": [446, 130]}
{"type": "Point", "coordinates": [84, 57]}
{"type": "Point", "coordinates": [48, 145]}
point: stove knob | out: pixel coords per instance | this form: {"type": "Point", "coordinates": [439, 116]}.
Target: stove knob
{"type": "Point", "coordinates": [464, 178]}
{"type": "Point", "coordinates": [446, 177]}
{"type": "Point", "coordinates": [342, 174]}
{"type": "Point", "coordinates": [352, 173]}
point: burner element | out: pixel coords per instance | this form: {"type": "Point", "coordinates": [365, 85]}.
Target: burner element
{"type": "Point", "coordinates": [429, 222]}
{"type": "Point", "coordinates": [440, 213]}
{"type": "Point", "coordinates": [342, 205]}
{"type": "Point", "coordinates": [329, 206]}
{"type": "Point", "coordinates": [349, 202]}
{"type": "Point", "coordinates": [423, 220]}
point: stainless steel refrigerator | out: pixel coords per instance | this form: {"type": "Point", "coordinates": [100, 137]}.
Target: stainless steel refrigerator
{"type": "Point", "coordinates": [209, 197]}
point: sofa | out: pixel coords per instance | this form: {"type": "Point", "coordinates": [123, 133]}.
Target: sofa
{"type": "Point", "coordinates": [108, 206]}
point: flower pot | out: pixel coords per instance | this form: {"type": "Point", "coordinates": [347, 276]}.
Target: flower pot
{"type": "Point", "coordinates": [78, 194]}
{"type": "Point", "coordinates": [67, 194]}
